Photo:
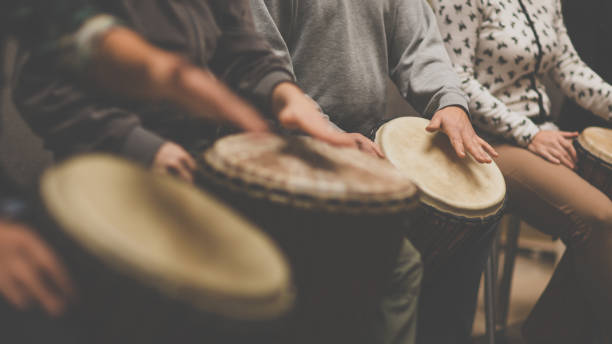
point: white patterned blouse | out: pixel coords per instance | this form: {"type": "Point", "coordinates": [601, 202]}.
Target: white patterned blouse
{"type": "Point", "coordinates": [501, 49]}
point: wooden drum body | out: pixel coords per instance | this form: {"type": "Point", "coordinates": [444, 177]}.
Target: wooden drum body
{"type": "Point", "coordinates": [336, 213]}
{"type": "Point", "coordinates": [461, 200]}
{"type": "Point", "coordinates": [157, 261]}
{"type": "Point", "coordinates": [594, 147]}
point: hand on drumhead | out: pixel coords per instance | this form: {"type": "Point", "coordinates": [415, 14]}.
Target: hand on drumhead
{"type": "Point", "coordinates": [172, 159]}
{"type": "Point", "coordinates": [366, 145]}
{"type": "Point", "coordinates": [30, 273]}
{"type": "Point", "coordinates": [297, 111]}
{"type": "Point", "coordinates": [556, 147]}
{"type": "Point", "coordinates": [455, 123]}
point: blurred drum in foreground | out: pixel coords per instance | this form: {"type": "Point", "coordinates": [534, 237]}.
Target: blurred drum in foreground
{"type": "Point", "coordinates": [335, 211]}
{"type": "Point", "coordinates": [461, 200]}
{"type": "Point", "coordinates": [594, 148]}
{"type": "Point", "coordinates": [158, 261]}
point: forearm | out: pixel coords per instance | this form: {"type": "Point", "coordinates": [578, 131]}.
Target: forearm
{"type": "Point", "coordinates": [421, 67]}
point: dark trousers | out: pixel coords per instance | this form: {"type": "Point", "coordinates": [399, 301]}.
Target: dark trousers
{"type": "Point", "coordinates": [448, 302]}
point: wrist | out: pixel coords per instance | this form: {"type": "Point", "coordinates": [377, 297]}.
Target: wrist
{"type": "Point", "coordinates": [283, 94]}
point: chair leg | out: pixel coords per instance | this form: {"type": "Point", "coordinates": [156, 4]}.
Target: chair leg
{"type": "Point", "coordinates": [490, 280]}
{"type": "Point", "coordinates": [505, 287]}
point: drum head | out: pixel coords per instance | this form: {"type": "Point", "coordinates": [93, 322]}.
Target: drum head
{"type": "Point", "coordinates": [597, 141]}
{"type": "Point", "coordinates": [169, 235]}
{"type": "Point", "coordinates": [308, 173]}
{"type": "Point", "coordinates": [462, 187]}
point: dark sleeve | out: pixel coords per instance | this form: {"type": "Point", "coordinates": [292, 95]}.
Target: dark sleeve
{"type": "Point", "coordinates": [243, 58]}
{"type": "Point", "coordinates": [73, 119]}
{"type": "Point", "coordinates": [40, 24]}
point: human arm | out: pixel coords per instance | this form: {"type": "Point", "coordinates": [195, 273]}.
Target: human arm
{"type": "Point", "coordinates": [489, 112]}
{"type": "Point", "coordinates": [422, 71]}
{"type": "Point", "coordinates": [577, 80]}
{"type": "Point", "coordinates": [288, 104]}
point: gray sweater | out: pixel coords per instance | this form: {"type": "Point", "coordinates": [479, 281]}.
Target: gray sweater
{"type": "Point", "coordinates": [341, 52]}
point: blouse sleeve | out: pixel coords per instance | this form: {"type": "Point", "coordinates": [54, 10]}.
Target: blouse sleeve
{"type": "Point", "coordinates": [460, 23]}
{"type": "Point", "coordinates": [577, 80]}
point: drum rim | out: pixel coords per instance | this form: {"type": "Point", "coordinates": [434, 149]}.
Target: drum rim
{"type": "Point", "coordinates": [215, 168]}
{"type": "Point", "coordinates": [604, 157]}
{"type": "Point", "coordinates": [230, 304]}
{"type": "Point", "coordinates": [452, 208]}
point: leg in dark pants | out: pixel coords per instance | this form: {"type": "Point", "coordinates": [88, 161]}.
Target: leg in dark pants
{"type": "Point", "coordinates": [448, 303]}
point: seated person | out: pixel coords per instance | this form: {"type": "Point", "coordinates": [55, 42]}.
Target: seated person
{"type": "Point", "coordinates": [501, 51]}
{"type": "Point", "coordinates": [341, 53]}
{"type": "Point", "coordinates": [218, 36]}
{"type": "Point", "coordinates": [125, 64]}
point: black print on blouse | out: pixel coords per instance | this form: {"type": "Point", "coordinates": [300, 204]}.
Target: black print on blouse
{"type": "Point", "coordinates": [542, 115]}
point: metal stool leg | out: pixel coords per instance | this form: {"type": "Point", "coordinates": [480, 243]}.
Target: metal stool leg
{"type": "Point", "coordinates": [505, 287]}
{"type": "Point", "coordinates": [490, 282]}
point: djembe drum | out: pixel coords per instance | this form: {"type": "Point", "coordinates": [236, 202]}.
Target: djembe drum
{"type": "Point", "coordinates": [336, 212]}
{"type": "Point", "coordinates": [461, 200]}
{"type": "Point", "coordinates": [594, 148]}
{"type": "Point", "coordinates": [158, 261]}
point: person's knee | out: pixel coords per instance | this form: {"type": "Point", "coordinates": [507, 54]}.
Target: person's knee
{"type": "Point", "coordinates": [602, 219]}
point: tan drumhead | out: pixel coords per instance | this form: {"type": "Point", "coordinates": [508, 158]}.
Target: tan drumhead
{"type": "Point", "coordinates": [598, 141]}
{"type": "Point", "coordinates": [310, 173]}
{"type": "Point", "coordinates": [461, 187]}
{"type": "Point", "coordinates": [168, 234]}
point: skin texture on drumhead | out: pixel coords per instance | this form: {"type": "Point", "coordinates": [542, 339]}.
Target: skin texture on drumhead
{"type": "Point", "coordinates": [314, 170]}
{"type": "Point", "coordinates": [460, 186]}
{"type": "Point", "coordinates": [168, 234]}
{"type": "Point", "coordinates": [598, 141]}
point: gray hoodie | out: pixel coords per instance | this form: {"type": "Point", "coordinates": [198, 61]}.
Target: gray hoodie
{"type": "Point", "coordinates": [341, 52]}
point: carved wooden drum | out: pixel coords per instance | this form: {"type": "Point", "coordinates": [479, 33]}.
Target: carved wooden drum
{"type": "Point", "coordinates": [336, 212]}
{"type": "Point", "coordinates": [461, 200]}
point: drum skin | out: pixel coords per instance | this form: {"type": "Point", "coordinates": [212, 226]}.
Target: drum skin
{"type": "Point", "coordinates": [148, 269]}
{"type": "Point", "coordinates": [461, 200]}
{"type": "Point", "coordinates": [594, 148]}
{"type": "Point", "coordinates": [337, 214]}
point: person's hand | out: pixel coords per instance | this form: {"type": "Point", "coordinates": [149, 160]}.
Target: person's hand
{"type": "Point", "coordinates": [556, 147]}
{"type": "Point", "coordinates": [366, 145]}
{"type": "Point", "coordinates": [296, 111]}
{"type": "Point", "coordinates": [30, 273]}
{"type": "Point", "coordinates": [455, 123]}
{"type": "Point", "coordinates": [174, 160]}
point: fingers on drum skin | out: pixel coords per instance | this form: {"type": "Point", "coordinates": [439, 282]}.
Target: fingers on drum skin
{"type": "Point", "coordinates": [488, 147]}
{"type": "Point", "coordinates": [475, 148]}
{"type": "Point", "coordinates": [458, 146]}
{"type": "Point", "coordinates": [435, 124]}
